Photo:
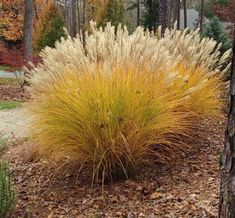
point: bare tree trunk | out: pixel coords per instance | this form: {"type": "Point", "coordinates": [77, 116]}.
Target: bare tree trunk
{"type": "Point", "coordinates": [35, 10]}
{"type": "Point", "coordinates": [176, 12]}
{"type": "Point", "coordinates": [227, 187]}
{"type": "Point", "coordinates": [164, 14]}
{"type": "Point", "coordinates": [189, 3]}
{"type": "Point", "coordinates": [84, 22]}
{"type": "Point", "coordinates": [28, 29]}
{"type": "Point", "coordinates": [78, 16]}
{"type": "Point", "coordinates": [66, 15]}
{"type": "Point", "coordinates": [138, 12]}
{"type": "Point", "coordinates": [202, 15]}
{"type": "Point", "coordinates": [74, 18]}
{"type": "Point", "coordinates": [155, 6]}
{"type": "Point", "coordinates": [185, 14]}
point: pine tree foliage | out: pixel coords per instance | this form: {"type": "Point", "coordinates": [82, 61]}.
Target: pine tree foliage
{"type": "Point", "coordinates": [7, 192]}
{"type": "Point", "coordinates": [215, 30]}
{"type": "Point", "coordinates": [150, 16]}
{"type": "Point", "coordinates": [114, 12]}
{"type": "Point", "coordinates": [49, 29]}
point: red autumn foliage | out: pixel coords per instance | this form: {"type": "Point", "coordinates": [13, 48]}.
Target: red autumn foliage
{"type": "Point", "coordinates": [13, 57]}
{"type": "Point", "coordinates": [226, 14]}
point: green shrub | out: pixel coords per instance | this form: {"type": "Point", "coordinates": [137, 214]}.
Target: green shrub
{"type": "Point", "coordinates": [215, 30]}
{"type": "Point", "coordinates": [7, 192]}
{"type": "Point", "coordinates": [114, 13]}
{"type": "Point", "coordinates": [49, 28]}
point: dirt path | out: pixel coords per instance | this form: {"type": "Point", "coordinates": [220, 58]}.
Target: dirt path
{"type": "Point", "coordinates": [13, 122]}
{"type": "Point", "coordinates": [6, 74]}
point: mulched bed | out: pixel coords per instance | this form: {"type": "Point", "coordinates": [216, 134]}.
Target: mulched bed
{"type": "Point", "coordinates": [13, 93]}
{"type": "Point", "coordinates": [188, 187]}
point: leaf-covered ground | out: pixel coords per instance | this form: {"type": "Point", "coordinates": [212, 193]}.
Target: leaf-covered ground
{"type": "Point", "coordinates": [12, 92]}
{"type": "Point", "coordinates": [188, 187]}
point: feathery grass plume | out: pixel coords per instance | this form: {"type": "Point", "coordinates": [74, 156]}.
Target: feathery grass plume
{"type": "Point", "coordinates": [201, 92]}
{"type": "Point", "coordinates": [188, 46]}
{"type": "Point", "coordinates": [123, 98]}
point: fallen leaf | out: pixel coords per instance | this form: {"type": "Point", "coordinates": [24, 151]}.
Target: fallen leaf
{"type": "Point", "coordinates": [139, 188]}
{"type": "Point", "coordinates": [156, 195]}
{"type": "Point", "coordinates": [114, 199]}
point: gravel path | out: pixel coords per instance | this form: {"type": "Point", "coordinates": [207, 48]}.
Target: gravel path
{"type": "Point", "coordinates": [13, 123]}
{"type": "Point", "coordinates": [5, 74]}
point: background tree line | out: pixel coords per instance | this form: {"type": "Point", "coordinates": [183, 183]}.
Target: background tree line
{"type": "Point", "coordinates": [49, 17]}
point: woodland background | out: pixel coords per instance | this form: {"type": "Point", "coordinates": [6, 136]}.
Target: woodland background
{"type": "Point", "coordinates": [49, 17]}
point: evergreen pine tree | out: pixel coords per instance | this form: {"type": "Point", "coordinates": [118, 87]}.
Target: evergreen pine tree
{"type": "Point", "coordinates": [151, 15]}
{"type": "Point", "coordinates": [49, 28]}
{"type": "Point", "coordinates": [214, 29]}
{"type": "Point", "coordinates": [114, 12]}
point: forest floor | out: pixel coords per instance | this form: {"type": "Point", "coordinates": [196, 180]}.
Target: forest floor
{"type": "Point", "coordinates": [182, 188]}
{"type": "Point", "coordinates": [188, 187]}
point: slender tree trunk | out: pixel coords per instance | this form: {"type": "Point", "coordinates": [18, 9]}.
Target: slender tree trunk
{"type": "Point", "coordinates": [155, 14]}
{"type": "Point", "coordinates": [227, 188]}
{"type": "Point", "coordinates": [150, 10]}
{"type": "Point", "coordinates": [84, 22]}
{"type": "Point", "coordinates": [74, 18]}
{"type": "Point", "coordinates": [78, 17]}
{"type": "Point", "coordinates": [185, 14]}
{"type": "Point", "coordinates": [28, 29]}
{"type": "Point", "coordinates": [176, 13]}
{"type": "Point", "coordinates": [164, 14]}
{"type": "Point", "coordinates": [66, 15]}
{"type": "Point", "coordinates": [35, 10]}
{"type": "Point", "coordinates": [202, 15]}
{"type": "Point", "coordinates": [138, 12]}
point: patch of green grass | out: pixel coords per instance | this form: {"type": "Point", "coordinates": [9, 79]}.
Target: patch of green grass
{"type": "Point", "coordinates": [8, 81]}
{"type": "Point", "coordinates": [9, 104]}
{"type": "Point", "coordinates": [3, 67]}
{"type": "Point", "coordinates": [10, 68]}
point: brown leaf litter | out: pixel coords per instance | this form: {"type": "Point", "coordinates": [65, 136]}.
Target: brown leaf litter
{"type": "Point", "coordinates": [188, 187]}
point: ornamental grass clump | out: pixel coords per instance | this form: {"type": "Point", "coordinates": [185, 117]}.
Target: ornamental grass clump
{"type": "Point", "coordinates": [124, 99]}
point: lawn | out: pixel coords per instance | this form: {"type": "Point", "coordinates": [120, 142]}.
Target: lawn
{"type": "Point", "coordinates": [8, 81]}
{"type": "Point", "coordinates": [3, 67]}
{"type": "Point", "coordinates": [9, 68]}
{"type": "Point", "coordinates": [9, 104]}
